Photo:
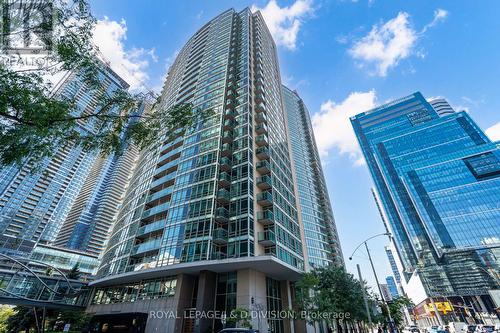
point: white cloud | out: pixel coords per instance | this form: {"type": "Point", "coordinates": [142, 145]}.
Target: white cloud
{"type": "Point", "coordinates": [131, 64]}
{"type": "Point", "coordinates": [493, 132]}
{"type": "Point", "coordinates": [386, 44]}
{"type": "Point", "coordinates": [439, 16]}
{"type": "Point", "coordinates": [284, 22]}
{"type": "Point", "coordinates": [389, 43]}
{"type": "Point", "coordinates": [332, 126]}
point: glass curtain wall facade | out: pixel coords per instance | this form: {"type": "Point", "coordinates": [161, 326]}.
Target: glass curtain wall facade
{"type": "Point", "coordinates": [321, 238]}
{"type": "Point", "coordinates": [215, 203]}
{"type": "Point", "coordinates": [33, 205]}
{"type": "Point", "coordinates": [437, 176]}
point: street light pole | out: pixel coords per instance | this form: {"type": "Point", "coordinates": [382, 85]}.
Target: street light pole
{"type": "Point", "coordinates": [365, 299]}
{"type": "Point", "coordinates": [378, 284]}
{"type": "Point", "coordinates": [375, 273]}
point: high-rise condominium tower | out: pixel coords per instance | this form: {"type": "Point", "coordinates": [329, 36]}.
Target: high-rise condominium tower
{"type": "Point", "coordinates": [437, 177]}
{"type": "Point", "coordinates": [320, 233]}
{"type": "Point", "coordinates": [33, 205]}
{"type": "Point", "coordinates": [210, 220]}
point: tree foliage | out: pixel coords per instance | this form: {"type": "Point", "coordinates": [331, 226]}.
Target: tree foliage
{"type": "Point", "coordinates": [35, 122]}
{"type": "Point", "coordinates": [332, 290]}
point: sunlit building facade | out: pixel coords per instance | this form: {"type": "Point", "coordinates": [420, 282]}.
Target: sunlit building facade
{"type": "Point", "coordinates": [438, 178]}
{"type": "Point", "coordinates": [210, 218]}
{"type": "Point", "coordinates": [35, 203]}
{"type": "Point", "coordinates": [320, 233]}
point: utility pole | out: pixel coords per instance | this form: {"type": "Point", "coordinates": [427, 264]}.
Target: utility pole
{"type": "Point", "coordinates": [379, 288]}
{"type": "Point", "coordinates": [365, 299]}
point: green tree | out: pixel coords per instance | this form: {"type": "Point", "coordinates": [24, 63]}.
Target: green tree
{"type": "Point", "coordinates": [397, 306]}
{"type": "Point", "coordinates": [331, 290]}
{"type": "Point", "coordinates": [6, 311]}
{"type": "Point", "coordinates": [23, 319]}
{"type": "Point", "coordinates": [34, 122]}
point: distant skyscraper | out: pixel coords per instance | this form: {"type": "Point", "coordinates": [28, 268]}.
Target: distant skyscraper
{"type": "Point", "coordinates": [33, 205]}
{"type": "Point", "coordinates": [210, 219]}
{"type": "Point", "coordinates": [393, 288]}
{"type": "Point", "coordinates": [89, 222]}
{"type": "Point", "coordinates": [323, 247]}
{"type": "Point", "coordinates": [392, 262]}
{"type": "Point", "coordinates": [442, 107]}
{"type": "Point", "coordinates": [438, 178]}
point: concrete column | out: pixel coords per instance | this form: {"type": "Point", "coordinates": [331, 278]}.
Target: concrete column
{"type": "Point", "coordinates": [251, 295]}
{"type": "Point", "coordinates": [205, 299]}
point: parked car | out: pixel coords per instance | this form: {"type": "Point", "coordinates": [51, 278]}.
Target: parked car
{"type": "Point", "coordinates": [487, 329]}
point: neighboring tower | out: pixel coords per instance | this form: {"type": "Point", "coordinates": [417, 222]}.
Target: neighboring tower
{"type": "Point", "coordinates": [391, 284]}
{"type": "Point", "coordinates": [34, 204]}
{"type": "Point", "coordinates": [90, 220]}
{"type": "Point", "coordinates": [323, 247]}
{"type": "Point", "coordinates": [442, 107]}
{"type": "Point", "coordinates": [210, 221]}
{"type": "Point", "coordinates": [438, 180]}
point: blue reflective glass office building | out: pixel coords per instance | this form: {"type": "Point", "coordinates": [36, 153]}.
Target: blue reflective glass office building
{"type": "Point", "coordinates": [438, 179]}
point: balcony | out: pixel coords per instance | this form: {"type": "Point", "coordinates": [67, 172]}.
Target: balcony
{"type": "Point", "coordinates": [225, 149]}
{"type": "Point", "coordinates": [159, 194]}
{"type": "Point", "coordinates": [260, 118]}
{"type": "Point", "coordinates": [229, 114]}
{"type": "Point", "coordinates": [262, 153]}
{"type": "Point", "coordinates": [264, 182]}
{"type": "Point", "coordinates": [220, 236]}
{"type": "Point", "coordinates": [260, 97]}
{"type": "Point", "coordinates": [155, 210]}
{"type": "Point", "coordinates": [147, 246]}
{"type": "Point", "coordinates": [227, 137]}
{"type": "Point", "coordinates": [229, 124]}
{"type": "Point", "coordinates": [219, 255]}
{"type": "Point", "coordinates": [265, 198]}
{"type": "Point", "coordinates": [223, 196]}
{"type": "Point", "coordinates": [267, 238]}
{"type": "Point", "coordinates": [260, 107]}
{"type": "Point", "coordinates": [225, 164]}
{"type": "Point", "coordinates": [150, 228]}
{"type": "Point", "coordinates": [261, 140]}
{"type": "Point", "coordinates": [265, 217]}
{"type": "Point", "coordinates": [263, 167]}
{"type": "Point", "coordinates": [261, 129]}
{"type": "Point", "coordinates": [224, 179]}
{"type": "Point", "coordinates": [222, 215]}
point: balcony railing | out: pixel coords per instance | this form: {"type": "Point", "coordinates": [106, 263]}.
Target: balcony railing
{"type": "Point", "coordinates": [265, 217]}
{"type": "Point", "coordinates": [261, 118]}
{"type": "Point", "coordinates": [224, 179]}
{"type": "Point", "coordinates": [263, 167]}
{"type": "Point", "coordinates": [223, 196]}
{"type": "Point", "coordinates": [264, 182]}
{"type": "Point", "coordinates": [261, 140]}
{"type": "Point", "coordinates": [229, 114]}
{"type": "Point", "coordinates": [261, 129]}
{"type": "Point", "coordinates": [225, 164]}
{"type": "Point", "coordinates": [149, 228]}
{"type": "Point", "coordinates": [155, 210]}
{"type": "Point", "coordinates": [222, 215]}
{"type": "Point", "coordinates": [227, 137]}
{"type": "Point", "coordinates": [147, 246]}
{"type": "Point", "coordinates": [265, 198]}
{"type": "Point", "coordinates": [262, 153]}
{"type": "Point", "coordinates": [267, 238]}
{"type": "Point", "coordinates": [220, 236]}
{"type": "Point", "coordinates": [226, 149]}
{"type": "Point", "coordinates": [260, 107]}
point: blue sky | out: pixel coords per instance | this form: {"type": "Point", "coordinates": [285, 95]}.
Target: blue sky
{"type": "Point", "coordinates": [343, 57]}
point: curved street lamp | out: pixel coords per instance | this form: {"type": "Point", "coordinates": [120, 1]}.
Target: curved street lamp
{"type": "Point", "coordinates": [375, 274]}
